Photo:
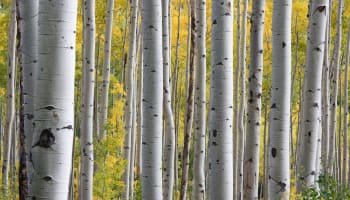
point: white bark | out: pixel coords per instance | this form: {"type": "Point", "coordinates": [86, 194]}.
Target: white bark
{"type": "Point", "coordinates": [106, 71]}
{"type": "Point", "coordinates": [87, 107]}
{"type": "Point", "coordinates": [169, 148]}
{"type": "Point", "coordinates": [54, 100]}
{"type": "Point", "coordinates": [311, 109]}
{"type": "Point", "coordinates": [10, 97]}
{"type": "Point", "coordinates": [200, 104]}
{"type": "Point", "coordinates": [152, 101]}
{"type": "Point", "coordinates": [334, 77]}
{"type": "Point", "coordinates": [242, 108]}
{"type": "Point", "coordinates": [279, 177]}
{"type": "Point", "coordinates": [236, 102]}
{"type": "Point", "coordinates": [28, 10]}
{"type": "Point", "coordinates": [220, 155]}
{"type": "Point", "coordinates": [133, 146]}
{"type": "Point", "coordinates": [132, 58]}
{"type": "Point", "coordinates": [325, 94]}
{"type": "Point", "coordinates": [346, 113]}
{"type": "Point", "coordinates": [252, 146]}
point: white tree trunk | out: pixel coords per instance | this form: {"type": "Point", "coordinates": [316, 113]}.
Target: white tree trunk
{"type": "Point", "coordinates": [346, 113]}
{"type": "Point", "coordinates": [152, 101]}
{"type": "Point", "coordinates": [10, 97]}
{"type": "Point", "coordinates": [28, 10]}
{"type": "Point", "coordinates": [200, 104]}
{"type": "Point", "coordinates": [236, 101]}
{"type": "Point", "coordinates": [87, 107]}
{"type": "Point", "coordinates": [106, 71]}
{"type": "Point", "coordinates": [325, 94]}
{"type": "Point", "coordinates": [242, 108]}
{"type": "Point", "coordinates": [334, 77]}
{"type": "Point", "coordinates": [311, 109]}
{"type": "Point", "coordinates": [252, 146]}
{"type": "Point", "coordinates": [54, 100]}
{"type": "Point", "coordinates": [169, 148]}
{"type": "Point", "coordinates": [279, 177]}
{"type": "Point", "coordinates": [132, 58]}
{"type": "Point", "coordinates": [221, 98]}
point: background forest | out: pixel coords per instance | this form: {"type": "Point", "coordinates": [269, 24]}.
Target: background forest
{"type": "Point", "coordinates": [111, 162]}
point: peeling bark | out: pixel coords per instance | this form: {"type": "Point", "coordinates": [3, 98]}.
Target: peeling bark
{"type": "Point", "coordinates": [28, 10]}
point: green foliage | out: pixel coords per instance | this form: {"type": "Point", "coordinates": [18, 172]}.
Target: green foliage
{"type": "Point", "coordinates": [328, 188]}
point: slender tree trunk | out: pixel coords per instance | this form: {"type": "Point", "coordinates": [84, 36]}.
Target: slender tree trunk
{"type": "Point", "coordinates": [169, 148]}
{"type": "Point", "coordinates": [106, 70]}
{"type": "Point", "coordinates": [236, 102]}
{"type": "Point", "coordinates": [242, 108]}
{"type": "Point", "coordinates": [152, 101]}
{"type": "Point", "coordinates": [190, 103]}
{"type": "Point", "coordinates": [133, 143]}
{"type": "Point", "coordinates": [311, 112]}
{"type": "Point", "coordinates": [325, 94]}
{"type": "Point", "coordinates": [177, 63]}
{"type": "Point", "coordinates": [279, 178]}
{"type": "Point", "coordinates": [131, 63]}
{"type": "Point", "coordinates": [10, 98]}
{"type": "Point", "coordinates": [346, 112]}
{"type": "Point", "coordinates": [27, 35]}
{"type": "Point", "coordinates": [251, 156]}
{"type": "Point", "coordinates": [221, 99]}
{"type": "Point", "coordinates": [175, 100]}
{"type": "Point", "coordinates": [200, 104]}
{"type": "Point", "coordinates": [266, 151]}
{"type": "Point", "coordinates": [124, 55]}
{"type": "Point", "coordinates": [54, 100]}
{"type": "Point", "coordinates": [86, 125]}
{"type": "Point", "coordinates": [334, 77]}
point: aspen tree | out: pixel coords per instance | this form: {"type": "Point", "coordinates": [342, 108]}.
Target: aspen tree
{"type": "Point", "coordinates": [130, 85]}
{"type": "Point", "coordinates": [10, 98]}
{"type": "Point", "coordinates": [279, 178]}
{"type": "Point", "coordinates": [152, 101]}
{"type": "Point", "coordinates": [242, 108]}
{"type": "Point", "coordinates": [346, 87]}
{"type": "Point", "coordinates": [52, 144]}
{"type": "Point", "coordinates": [334, 83]}
{"type": "Point", "coordinates": [28, 10]}
{"type": "Point", "coordinates": [220, 168]}
{"type": "Point", "coordinates": [252, 146]}
{"type": "Point", "coordinates": [189, 100]}
{"type": "Point", "coordinates": [236, 101]}
{"type": "Point", "coordinates": [325, 94]}
{"type": "Point", "coordinates": [169, 129]}
{"type": "Point", "coordinates": [87, 107]}
{"type": "Point", "coordinates": [198, 185]}
{"type": "Point", "coordinates": [311, 109]}
{"type": "Point", "coordinates": [106, 71]}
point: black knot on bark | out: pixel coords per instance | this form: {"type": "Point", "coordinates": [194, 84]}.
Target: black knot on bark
{"type": "Point", "coordinates": [46, 139]}
{"type": "Point", "coordinates": [274, 152]}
